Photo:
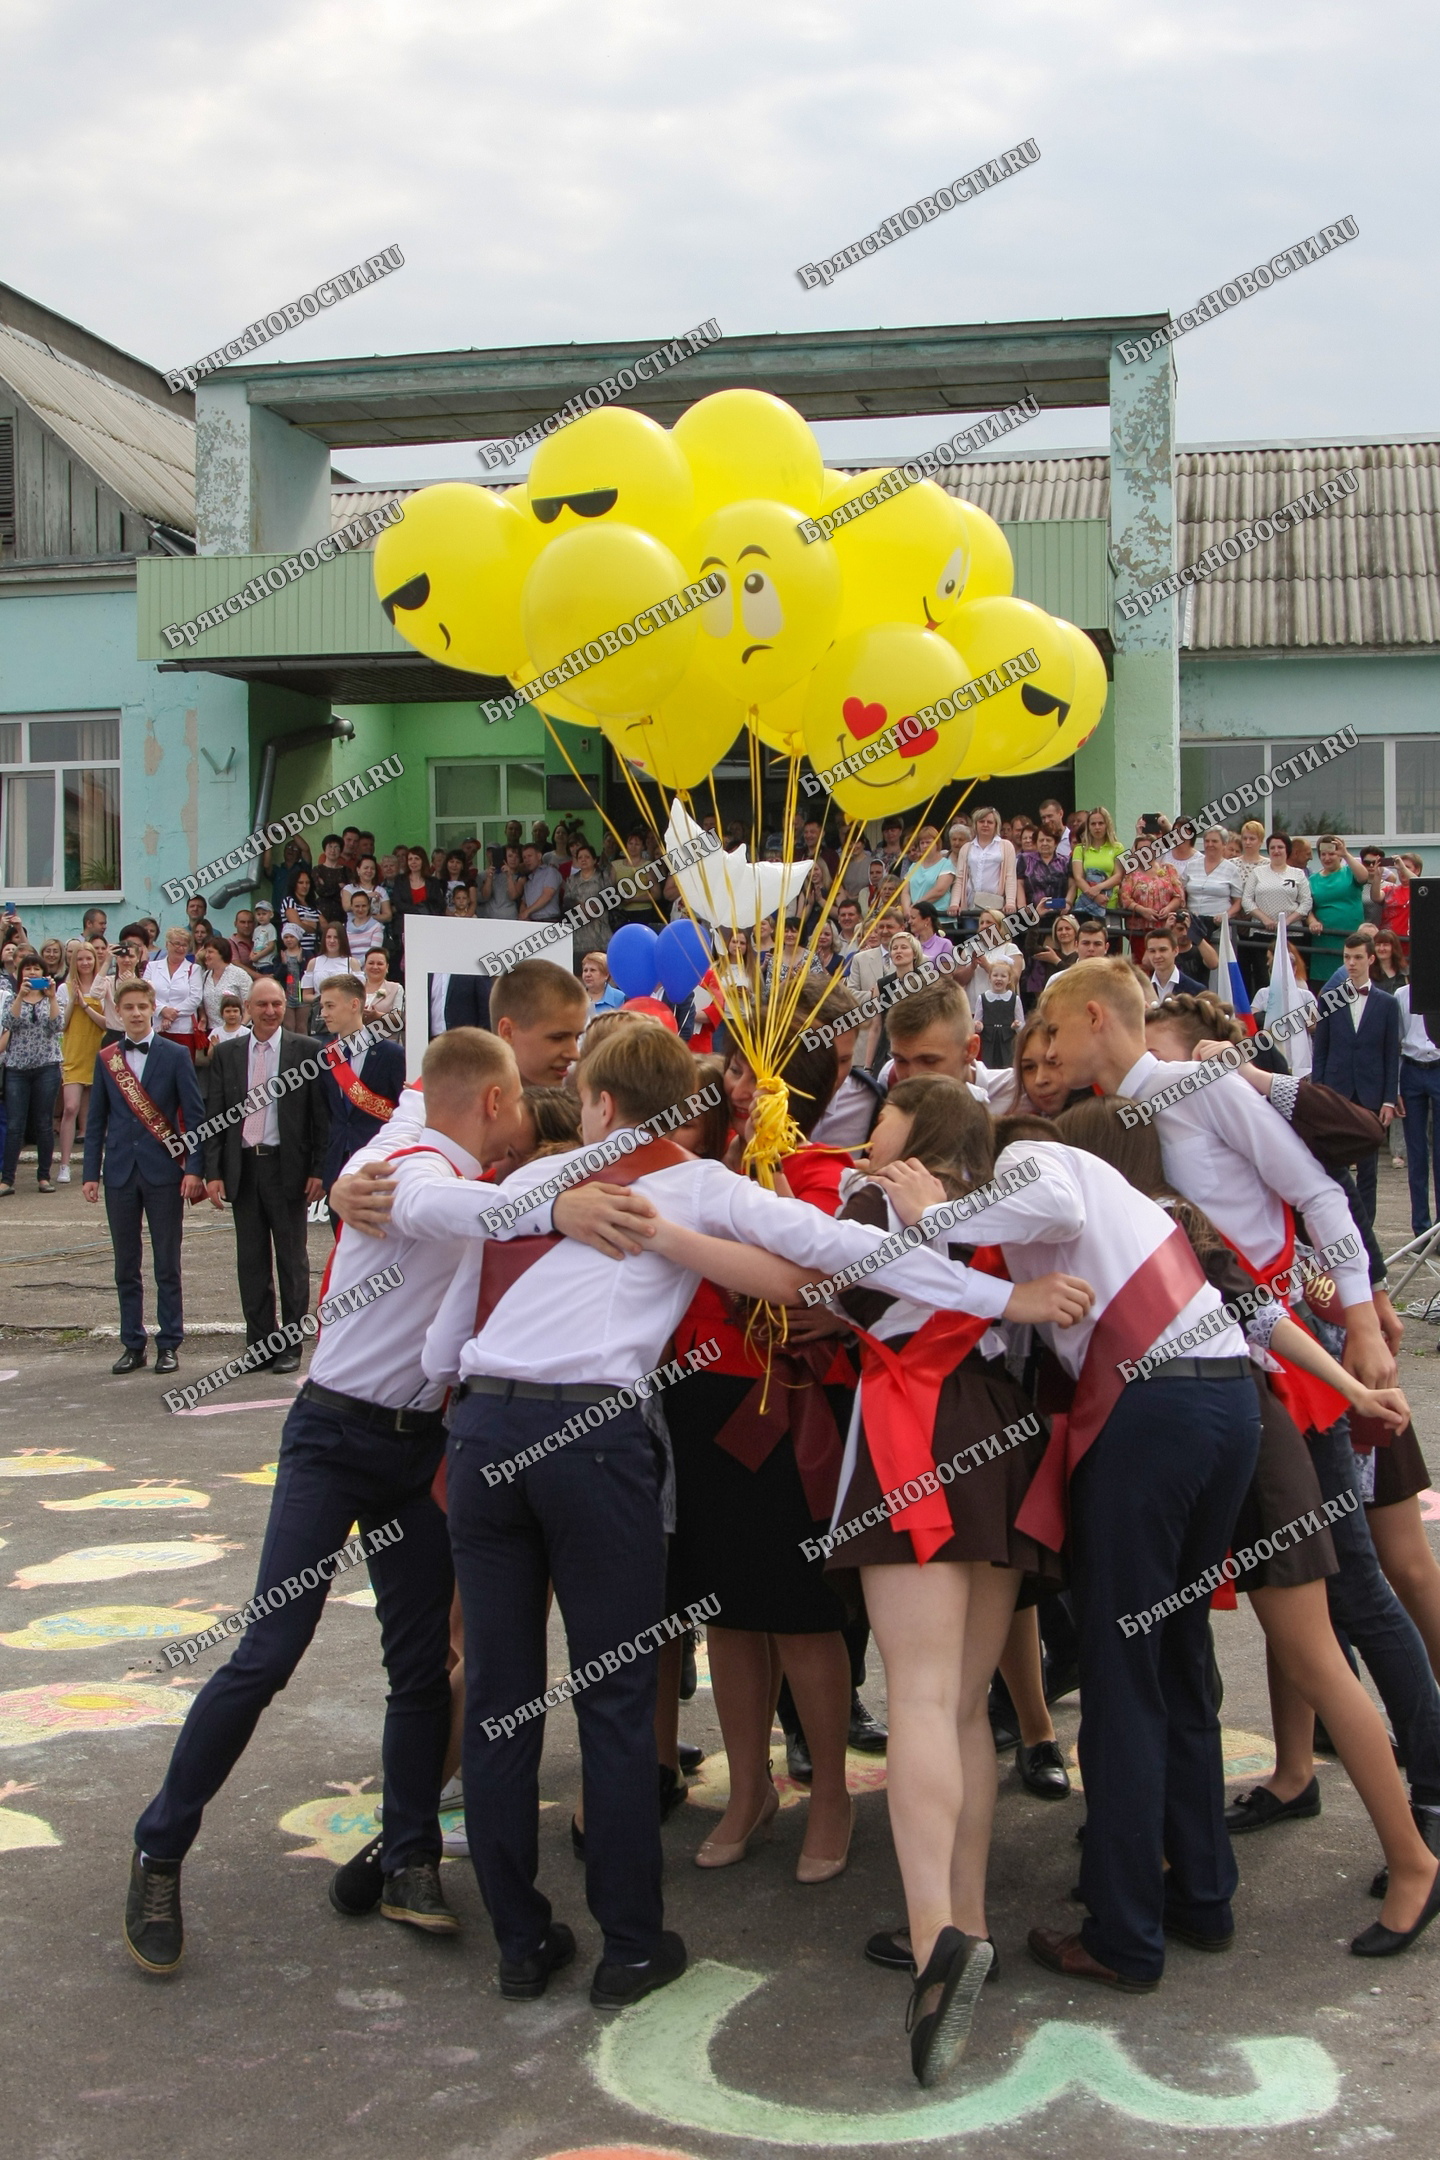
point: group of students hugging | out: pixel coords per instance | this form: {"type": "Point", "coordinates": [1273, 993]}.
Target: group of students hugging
{"type": "Point", "coordinates": [946, 1448]}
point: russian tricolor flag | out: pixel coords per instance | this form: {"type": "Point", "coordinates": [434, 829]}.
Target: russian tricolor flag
{"type": "Point", "coordinates": [1228, 983]}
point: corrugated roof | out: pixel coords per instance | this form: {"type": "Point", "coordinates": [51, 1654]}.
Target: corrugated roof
{"type": "Point", "coordinates": [144, 453]}
{"type": "Point", "coordinates": [1365, 576]}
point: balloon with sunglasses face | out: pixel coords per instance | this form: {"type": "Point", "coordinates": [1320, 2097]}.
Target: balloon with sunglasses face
{"type": "Point", "coordinates": [1025, 665]}
{"type": "Point", "coordinates": [1087, 707]}
{"type": "Point", "coordinates": [449, 577]}
{"type": "Point", "coordinates": [613, 467]}
{"type": "Point", "coordinates": [777, 613]}
{"type": "Point", "coordinates": [582, 589]}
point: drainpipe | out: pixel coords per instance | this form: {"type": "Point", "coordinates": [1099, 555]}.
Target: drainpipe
{"type": "Point", "coordinates": [333, 731]}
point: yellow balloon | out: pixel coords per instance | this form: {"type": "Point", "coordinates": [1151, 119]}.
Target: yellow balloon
{"type": "Point", "coordinates": [449, 577]}
{"type": "Point", "coordinates": [744, 443]}
{"type": "Point", "coordinates": [582, 588]}
{"type": "Point", "coordinates": [992, 566]}
{"type": "Point", "coordinates": [613, 467]}
{"type": "Point", "coordinates": [1092, 688]}
{"type": "Point", "coordinates": [781, 724]}
{"type": "Point", "coordinates": [777, 612]}
{"type": "Point", "coordinates": [684, 736]}
{"type": "Point", "coordinates": [904, 561]}
{"type": "Point", "coordinates": [1021, 721]}
{"type": "Point", "coordinates": [868, 684]}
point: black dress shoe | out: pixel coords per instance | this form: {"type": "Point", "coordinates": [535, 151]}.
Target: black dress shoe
{"type": "Point", "coordinates": [690, 1757]}
{"type": "Point", "coordinates": [355, 1888]}
{"type": "Point", "coordinates": [891, 1950]}
{"type": "Point", "coordinates": [867, 1735]}
{"type": "Point", "coordinates": [523, 1979]}
{"type": "Point", "coordinates": [166, 1361]}
{"type": "Point", "coordinates": [1380, 1941]}
{"type": "Point", "coordinates": [958, 1965]}
{"type": "Point", "coordinates": [154, 1930]}
{"type": "Point", "coordinates": [129, 1361]}
{"type": "Point", "coordinates": [288, 1361]}
{"type": "Point", "coordinates": [616, 1987]}
{"type": "Point", "coordinates": [413, 1894]}
{"type": "Point", "coordinates": [1196, 1940]}
{"type": "Point", "coordinates": [797, 1757]}
{"type": "Point", "coordinates": [1042, 1770]}
{"type": "Point", "coordinates": [1259, 1809]}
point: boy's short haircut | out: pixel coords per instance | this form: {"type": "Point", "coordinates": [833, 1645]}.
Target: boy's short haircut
{"type": "Point", "coordinates": [464, 1061]}
{"type": "Point", "coordinates": [1357, 938]}
{"type": "Point", "coordinates": [1112, 983]}
{"type": "Point", "coordinates": [1198, 1018]}
{"type": "Point", "coordinates": [349, 985]}
{"type": "Point", "coordinates": [134, 987]}
{"type": "Point", "coordinates": [1168, 935]}
{"type": "Point", "coordinates": [534, 991]}
{"type": "Point", "coordinates": [944, 1000]}
{"type": "Point", "coordinates": [643, 1068]}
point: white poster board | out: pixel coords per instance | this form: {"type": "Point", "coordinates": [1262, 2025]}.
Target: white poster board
{"type": "Point", "coordinates": [454, 945]}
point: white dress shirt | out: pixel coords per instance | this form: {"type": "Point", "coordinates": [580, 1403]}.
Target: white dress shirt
{"type": "Point", "coordinates": [136, 1054]}
{"type": "Point", "coordinates": [1080, 1217]}
{"type": "Point", "coordinates": [1172, 985]}
{"type": "Point", "coordinates": [439, 991]}
{"type": "Point", "coordinates": [577, 1317]}
{"type": "Point", "coordinates": [1414, 1042]}
{"type": "Point", "coordinates": [183, 990]}
{"type": "Point", "coordinates": [1223, 1150]}
{"type": "Point", "coordinates": [261, 1128]}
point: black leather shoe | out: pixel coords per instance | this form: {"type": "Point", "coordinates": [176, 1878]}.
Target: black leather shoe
{"type": "Point", "coordinates": [166, 1361]}
{"type": "Point", "coordinates": [129, 1361]}
{"type": "Point", "coordinates": [1427, 1822]}
{"type": "Point", "coordinates": [355, 1888]}
{"type": "Point", "coordinates": [797, 1757]}
{"type": "Point", "coordinates": [154, 1930]}
{"type": "Point", "coordinates": [867, 1735]}
{"type": "Point", "coordinates": [288, 1361]}
{"type": "Point", "coordinates": [1196, 1940]}
{"type": "Point", "coordinates": [958, 1965]}
{"type": "Point", "coordinates": [616, 1987]}
{"type": "Point", "coordinates": [690, 1756]}
{"type": "Point", "coordinates": [891, 1950]}
{"type": "Point", "coordinates": [1042, 1770]}
{"type": "Point", "coordinates": [523, 1979]}
{"type": "Point", "coordinates": [1259, 1809]}
{"type": "Point", "coordinates": [414, 1894]}
{"type": "Point", "coordinates": [1380, 1941]}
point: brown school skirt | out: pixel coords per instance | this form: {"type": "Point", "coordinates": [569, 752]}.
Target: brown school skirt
{"type": "Point", "coordinates": [1284, 1486]}
{"type": "Point", "coordinates": [1400, 1470]}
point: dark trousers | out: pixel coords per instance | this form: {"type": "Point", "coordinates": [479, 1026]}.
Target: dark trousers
{"type": "Point", "coordinates": [1366, 1610]}
{"type": "Point", "coordinates": [164, 1210]}
{"type": "Point", "coordinates": [1365, 1174]}
{"type": "Point", "coordinates": [334, 1470]}
{"type": "Point", "coordinates": [1420, 1094]}
{"type": "Point", "coordinates": [30, 1093]}
{"type": "Point", "coordinates": [586, 1517]}
{"type": "Point", "coordinates": [264, 1219]}
{"type": "Point", "coordinates": [1152, 1506]}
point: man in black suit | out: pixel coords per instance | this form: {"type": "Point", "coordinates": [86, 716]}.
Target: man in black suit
{"type": "Point", "coordinates": [1357, 1052]}
{"type": "Point", "coordinates": [142, 1140]}
{"type": "Point", "coordinates": [458, 1001]}
{"type": "Point", "coordinates": [267, 1161]}
{"type": "Point", "coordinates": [362, 1085]}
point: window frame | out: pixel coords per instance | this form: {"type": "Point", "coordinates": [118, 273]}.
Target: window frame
{"type": "Point", "coordinates": [502, 816]}
{"type": "Point", "coordinates": [1278, 748]}
{"type": "Point", "coordinates": [59, 894]}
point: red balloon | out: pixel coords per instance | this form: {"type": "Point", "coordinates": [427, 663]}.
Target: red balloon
{"type": "Point", "coordinates": [653, 1009]}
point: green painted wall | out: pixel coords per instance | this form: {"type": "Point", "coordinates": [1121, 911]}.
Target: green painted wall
{"type": "Point", "coordinates": [332, 609]}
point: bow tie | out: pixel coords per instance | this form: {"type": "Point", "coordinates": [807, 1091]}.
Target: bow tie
{"type": "Point", "coordinates": [141, 1048]}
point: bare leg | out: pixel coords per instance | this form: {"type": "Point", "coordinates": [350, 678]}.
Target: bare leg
{"type": "Point", "coordinates": [818, 1669]}
{"type": "Point", "coordinates": [667, 1707]}
{"type": "Point", "coordinates": [69, 1117]}
{"type": "Point", "coordinates": [988, 1620]}
{"type": "Point", "coordinates": [1410, 1568]}
{"type": "Point", "coordinates": [1021, 1671]}
{"type": "Point", "coordinates": [1302, 1642]}
{"type": "Point", "coordinates": [1292, 1719]}
{"type": "Point", "coordinates": [740, 1674]}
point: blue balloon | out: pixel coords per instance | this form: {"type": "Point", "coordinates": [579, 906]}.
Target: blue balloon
{"type": "Point", "coordinates": [683, 957]}
{"type": "Point", "coordinates": [632, 957]}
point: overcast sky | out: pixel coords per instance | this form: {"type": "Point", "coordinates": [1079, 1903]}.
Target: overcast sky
{"type": "Point", "coordinates": [562, 169]}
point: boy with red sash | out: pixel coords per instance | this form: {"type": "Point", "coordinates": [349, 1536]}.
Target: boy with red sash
{"type": "Point", "coordinates": [361, 1081]}
{"type": "Point", "coordinates": [141, 1142]}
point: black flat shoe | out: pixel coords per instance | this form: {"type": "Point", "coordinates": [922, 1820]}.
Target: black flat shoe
{"type": "Point", "coordinates": [129, 1361]}
{"type": "Point", "coordinates": [1042, 1770]}
{"type": "Point", "coordinates": [524, 1979]}
{"type": "Point", "coordinates": [355, 1888]}
{"type": "Point", "coordinates": [1259, 1809]}
{"type": "Point", "coordinates": [958, 1965]}
{"type": "Point", "coordinates": [1427, 1822]}
{"type": "Point", "coordinates": [797, 1758]}
{"type": "Point", "coordinates": [616, 1987]}
{"type": "Point", "coordinates": [867, 1735]}
{"type": "Point", "coordinates": [690, 1756]}
{"type": "Point", "coordinates": [1379, 1941]}
{"type": "Point", "coordinates": [166, 1361]}
{"type": "Point", "coordinates": [891, 1950]}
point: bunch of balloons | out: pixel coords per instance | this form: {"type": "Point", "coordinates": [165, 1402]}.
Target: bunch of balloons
{"type": "Point", "coordinates": [817, 646]}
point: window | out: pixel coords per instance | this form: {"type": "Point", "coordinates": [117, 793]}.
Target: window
{"type": "Point", "coordinates": [1417, 784]}
{"type": "Point", "coordinates": [1385, 789]}
{"type": "Point", "coordinates": [60, 805]}
{"type": "Point", "coordinates": [475, 798]}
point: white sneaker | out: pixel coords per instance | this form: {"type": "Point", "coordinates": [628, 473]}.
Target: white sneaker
{"type": "Point", "coordinates": [454, 1843]}
{"type": "Point", "coordinates": [453, 1795]}
{"type": "Point", "coordinates": [62, 1175]}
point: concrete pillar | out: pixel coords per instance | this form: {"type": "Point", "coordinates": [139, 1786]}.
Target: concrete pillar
{"type": "Point", "coordinates": [262, 487]}
{"type": "Point", "coordinates": [1132, 762]}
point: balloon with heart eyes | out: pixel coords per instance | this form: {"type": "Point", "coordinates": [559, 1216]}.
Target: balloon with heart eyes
{"type": "Point", "coordinates": [866, 715]}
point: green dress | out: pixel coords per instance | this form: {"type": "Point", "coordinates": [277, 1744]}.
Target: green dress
{"type": "Point", "coordinates": [1339, 905]}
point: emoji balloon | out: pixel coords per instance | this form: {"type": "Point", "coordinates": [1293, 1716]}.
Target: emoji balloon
{"type": "Point", "coordinates": [613, 465]}
{"type": "Point", "coordinates": [867, 691]}
{"type": "Point", "coordinates": [1023, 667]}
{"type": "Point", "coordinates": [781, 596]}
{"type": "Point", "coordinates": [744, 443]}
{"type": "Point", "coordinates": [780, 725]}
{"type": "Point", "coordinates": [684, 735]}
{"type": "Point", "coordinates": [992, 566]}
{"type": "Point", "coordinates": [449, 577]}
{"type": "Point", "coordinates": [585, 588]}
{"type": "Point", "coordinates": [1092, 688]}
{"type": "Point", "coordinates": [905, 560]}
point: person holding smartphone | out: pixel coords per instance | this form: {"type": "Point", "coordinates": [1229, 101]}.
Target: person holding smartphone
{"type": "Point", "coordinates": [33, 1050]}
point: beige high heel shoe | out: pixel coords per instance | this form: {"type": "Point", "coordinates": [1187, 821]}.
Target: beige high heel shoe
{"type": "Point", "coordinates": [717, 1852]}
{"type": "Point", "coordinates": [811, 1870]}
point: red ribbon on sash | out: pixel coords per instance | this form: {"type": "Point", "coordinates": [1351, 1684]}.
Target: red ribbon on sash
{"type": "Point", "coordinates": [1138, 1314]}
{"type": "Point", "coordinates": [353, 1088]}
{"type": "Point", "coordinates": [151, 1116]}
{"type": "Point", "coordinates": [1310, 1401]}
{"type": "Point", "coordinates": [791, 1399]}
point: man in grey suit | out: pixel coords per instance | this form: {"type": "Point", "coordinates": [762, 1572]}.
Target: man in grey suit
{"type": "Point", "coordinates": [267, 1162]}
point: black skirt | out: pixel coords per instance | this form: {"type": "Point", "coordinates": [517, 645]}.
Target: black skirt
{"type": "Point", "coordinates": [1400, 1470]}
{"type": "Point", "coordinates": [1284, 1487]}
{"type": "Point", "coordinates": [738, 1532]}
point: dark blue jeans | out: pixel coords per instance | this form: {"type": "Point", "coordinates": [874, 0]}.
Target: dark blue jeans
{"type": "Point", "coordinates": [1364, 1608]}
{"type": "Point", "coordinates": [586, 1517]}
{"type": "Point", "coordinates": [334, 1470]}
{"type": "Point", "coordinates": [1152, 1506]}
{"type": "Point", "coordinates": [1420, 1095]}
{"type": "Point", "coordinates": [31, 1092]}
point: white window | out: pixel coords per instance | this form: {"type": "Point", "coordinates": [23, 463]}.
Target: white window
{"type": "Point", "coordinates": [1386, 790]}
{"type": "Point", "coordinates": [60, 806]}
{"type": "Point", "coordinates": [475, 798]}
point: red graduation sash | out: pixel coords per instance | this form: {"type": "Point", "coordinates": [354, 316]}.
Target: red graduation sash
{"type": "Point", "coordinates": [1310, 1401]}
{"type": "Point", "coordinates": [353, 1088]}
{"type": "Point", "coordinates": [154, 1120]}
{"type": "Point", "coordinates": [1138, 1314]}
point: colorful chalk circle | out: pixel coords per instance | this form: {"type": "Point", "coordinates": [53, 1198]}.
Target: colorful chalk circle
{"type": "Point", "coordinates": [336, 1827]}
{"type": "Point", "coordinates": [20, 1832]}
{"type": "Point", "coordinates": [106, 1563]}
{"type": "Point", "coordinates": [49, 1462]}
{"type": "Point", "coordinates": [49, 1712]}
{"type": "Point", "coordinates": [265, 1475]}
{"type": "Point", "coordinates": [91, 1627]}
{"type": "Point", "coordinates": [132, 1496]}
